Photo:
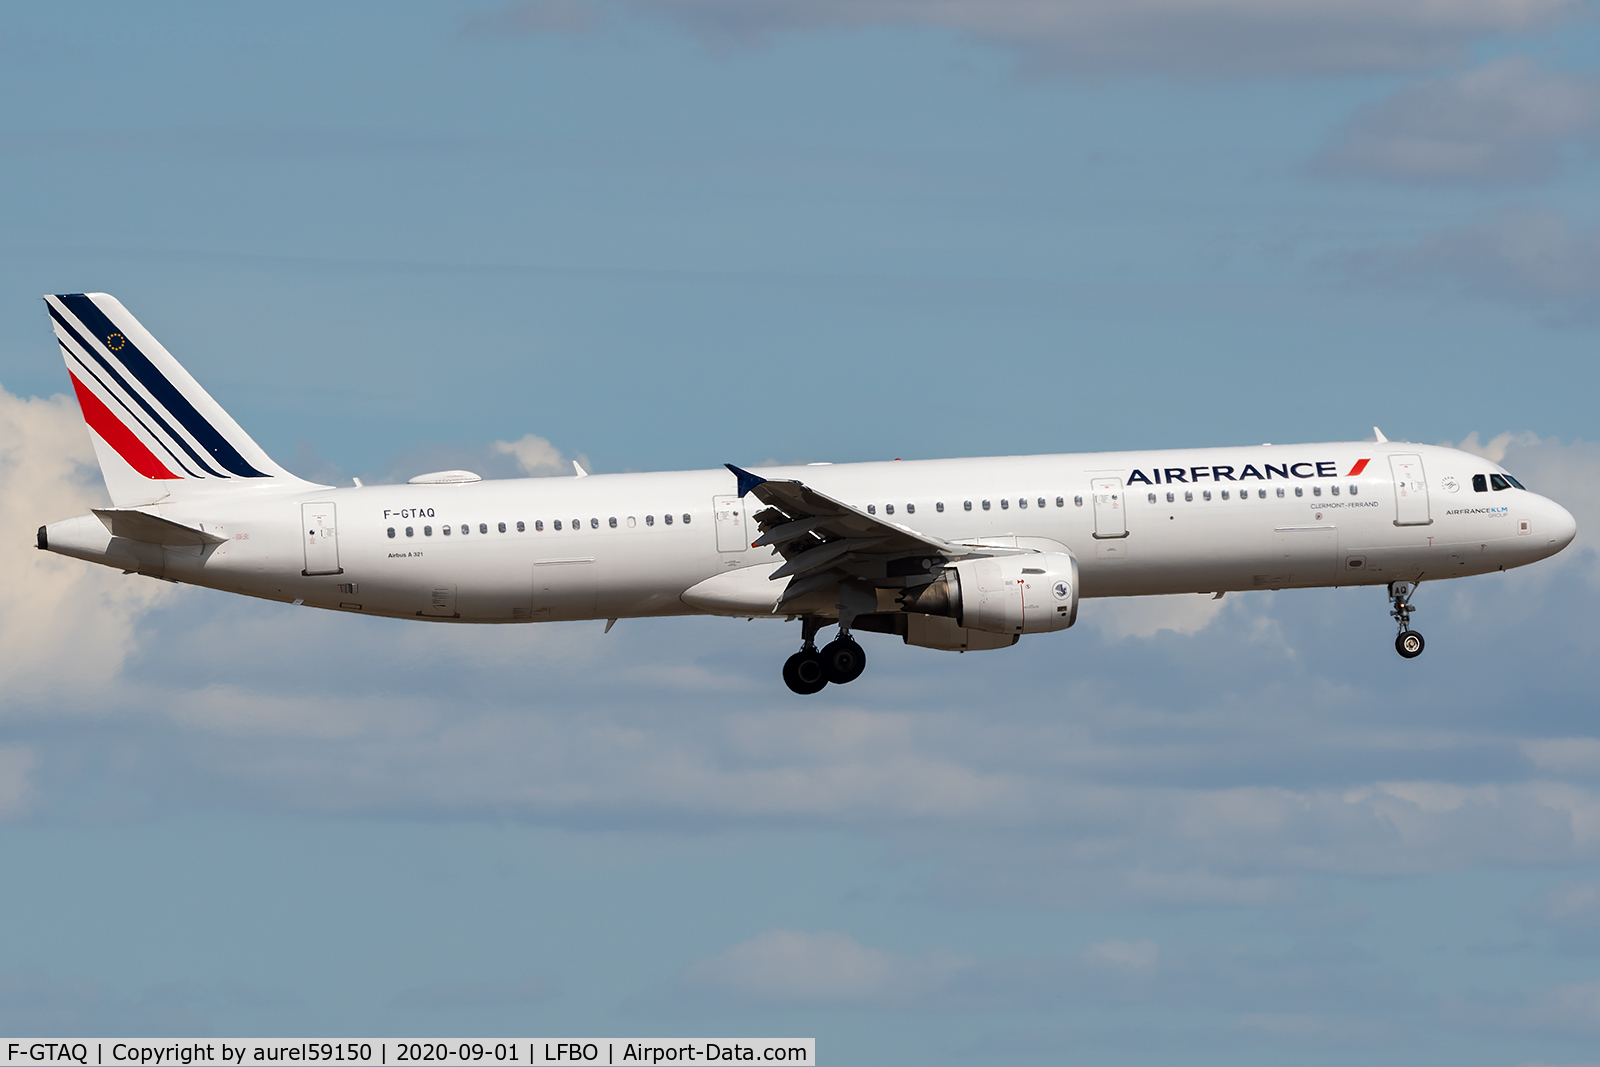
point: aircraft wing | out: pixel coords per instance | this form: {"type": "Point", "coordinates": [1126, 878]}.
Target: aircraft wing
{"type": "Point", "coordinates": [823, 540]}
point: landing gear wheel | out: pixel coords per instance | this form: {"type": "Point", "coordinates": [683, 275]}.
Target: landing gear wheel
{"type": "Point", "coordinates": [1409, 644]}
{"type": "Point", "coordinates": [843, 660]}
{"type": "Point", "coordinates": [803, 672]}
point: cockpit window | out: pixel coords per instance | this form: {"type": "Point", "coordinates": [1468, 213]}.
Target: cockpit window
{"type": "Point", "coordinates": [1516, 483]}
{"type": "Point", "coordinates": [1480, 484]}
{"type": "Point", "coordinates": [1498, 481]}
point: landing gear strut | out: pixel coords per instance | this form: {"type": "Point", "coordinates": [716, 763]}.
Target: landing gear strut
{"type": "Point", "coordinates": [840, 660]}
{"type": "Point", "coordinates": [1409, 643]}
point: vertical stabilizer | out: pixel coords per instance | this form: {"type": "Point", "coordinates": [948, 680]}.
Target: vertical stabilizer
{"type": "Point", "coordinates": [157, 433]}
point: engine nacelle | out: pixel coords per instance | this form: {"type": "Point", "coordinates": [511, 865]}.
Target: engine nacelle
{"type": "Point", "coordinates": [1030, 594]}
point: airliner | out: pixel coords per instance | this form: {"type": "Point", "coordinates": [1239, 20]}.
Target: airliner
{"type": "Point", "coordinates": [955, 554]}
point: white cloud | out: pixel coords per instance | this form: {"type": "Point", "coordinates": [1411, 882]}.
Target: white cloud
{"type": "Point", "coordinates": [1146, 616]}
{"type": "Point", "coordinates": [16, 761]}
{"type": "Point", "coordinates": [1127, 958]}
{"type": "Point", "coordinates": [536, 456]}
{"type": "Point", "coordinates": [1506, 121]}
{"type": "Point", "coordinates": [1199, 37]}
{"type": "Point", "coordinates": [66, 626]}
{"type": "Point", "coordinates": [1565, 756]}
{"type": "Point", "coordinates": [791, 967]}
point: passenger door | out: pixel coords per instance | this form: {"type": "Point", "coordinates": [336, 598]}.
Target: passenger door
{"type": "Point", "coordinates": [1410, 491]}
{"type": "Point", "coordinates": [319, 530]}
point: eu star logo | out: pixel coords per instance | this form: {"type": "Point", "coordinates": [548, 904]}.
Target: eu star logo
{"type": "Point", "coordinates": [115, 342]}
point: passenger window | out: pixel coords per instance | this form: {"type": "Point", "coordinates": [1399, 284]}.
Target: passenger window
{"type": "Point", "coordinates": [465, 529]}
{"type": "Point", "coordinates": [872, 509]}
{"type": "Point", "coordinates": [939, 507]}
{"type": "Point", "coordinates": [1280, 492]}
{"type": "Point", "coordinates": [1498, 482]}
{"type": "Point", "coordinates": [503, 527]}
{"type": "Point", "coordinates": [1316, 490]}
{"type": "Point", "coordinates": [391, 531]}
{"type": "Point", "coordinates": [1225, 494]}
{"type": "Point", "coordinates": [409, 533]}
{"type": "Point", "coordinates": [888, 509]}
{"type": "Point", "coordinates": [556, 525]}
{"type": "Point", "coordinates": [577, 524]}
{"type": "Point", "coordinates": [1352, 490]}
{"type": "Point", "coordinates": [649, 520]}
{"type": "Point", "coordinates": [1061, 501]}
{"type": "Point", "coordinates": [966, 505]}
{"type": "Point", "coordinates": [1480, 484]}
{"type": "Point", "coordinates": [1206, 494]}
{"type": "Point", "coordinates": [632, 522]}
{"type": "Point", "coordinates": [1188, 494]}
{"type": "Point", "coordinates": [427, 531]}
{"type": "Point", "coordinates": [1152, 498]}
{"type": "Point", "coordinates": [538, 524]}
{"type": "Point", "coordinates": [483, 527]}
{"type": "Point", "coordinates": [985, 505]}
{"type": "Point", "coordinates": [1334, 490]}
{"type": "Point", "coordinates": [1041, 502]}
{"type": "Point", "coordinates": [1022, 501]}
{"type": "Point", "coordinates": [523, 529]}
{"type": "Point", "coordinates": [1171, 497]}
{"type": "Point", "coordinates": [667, 519]}
{"type": "Point", "coordinates": [613, 522]}
{"type": "Point", "coordinates": [1299, 490]}
{"type": "Point", "coordinates": [911, 509]}
{"type": "Point", "coordinates": [1005, 504]}
{"type": "Point", "coordinates": [445, 530]}
{"type": "Point", "coordinates": [1077, 501]}
{"type": "Point", "coordinates": [686, 518]}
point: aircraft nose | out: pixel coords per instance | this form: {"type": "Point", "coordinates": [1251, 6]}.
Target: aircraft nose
{"type": "Point", "coordinates": [1562, 526]}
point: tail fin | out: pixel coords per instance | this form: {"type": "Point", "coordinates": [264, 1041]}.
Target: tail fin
{"type": "Point", "coordinates": [157, 433]}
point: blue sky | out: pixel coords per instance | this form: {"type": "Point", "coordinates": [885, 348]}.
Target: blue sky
{"type": "Point", "coordinates": [672, 234]}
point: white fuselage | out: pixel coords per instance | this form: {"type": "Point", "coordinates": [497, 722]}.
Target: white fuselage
{"type": "Point", "coordinates": [536, 549]}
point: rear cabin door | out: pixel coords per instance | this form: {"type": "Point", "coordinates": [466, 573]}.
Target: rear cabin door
{"type": "Point", "coordinates": [1110, 510]}
{"type": "Point", "coordinates": [320, 531]}
{"type": "Point", "coordinates": [1410, 491]}
{"type": "Point", "coordinates": [733, 526]}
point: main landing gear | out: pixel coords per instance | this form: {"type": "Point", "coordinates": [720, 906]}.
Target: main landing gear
{"type": "Point", "coordinates": [1409, 643]}
{"type": "Point", "coordinates": [839, 661]}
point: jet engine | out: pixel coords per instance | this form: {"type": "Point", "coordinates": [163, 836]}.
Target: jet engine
{"type": "Point", "coordinates": [1031, 594]}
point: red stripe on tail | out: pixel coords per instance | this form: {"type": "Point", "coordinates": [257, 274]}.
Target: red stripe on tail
{"type": "Point", "coordinates": [1361, 465]}
{"type": "Point", "coordinates": [118, 436]}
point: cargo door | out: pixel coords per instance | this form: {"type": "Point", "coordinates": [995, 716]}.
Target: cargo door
{"type": "Point", "coordinates": [1410, 491]}
{"type": "Point", "coordinates": [319, 530]}
{"type": "Point", "coordinates": [733, 527]}
{"type": "Point", "coordinates": [1307, 555]}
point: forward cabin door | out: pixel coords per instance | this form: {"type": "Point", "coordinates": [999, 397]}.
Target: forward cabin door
{"type": "Point", "coordinates": [1410, 491]}
{"type": "Point", "coordinates": [320, 532]}
{"type": "Point", "coordinates": [733, 526]}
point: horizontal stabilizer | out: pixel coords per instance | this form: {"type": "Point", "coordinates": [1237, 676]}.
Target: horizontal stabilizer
{"type": "Point", "coordinates": [153, 529]}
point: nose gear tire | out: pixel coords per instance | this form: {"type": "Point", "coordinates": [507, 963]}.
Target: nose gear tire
{"type": "Point", "coordinates": [1409, 644]}
{"type": "Point", "coordinates": [804, 673]}
{"type": "Point", "coordinates": [843, 660]}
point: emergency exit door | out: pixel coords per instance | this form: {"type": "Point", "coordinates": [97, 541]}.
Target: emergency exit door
{"type": "Point", "coordinates": [319, 530]}
{"type": "Point", "coordinates": [1110, 508]}
{"type": "Point", "coordinates": [733, 525]}
{"type": "Point", "coordinates": [1410, 491]}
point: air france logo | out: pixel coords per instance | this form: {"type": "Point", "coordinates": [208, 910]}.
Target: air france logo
{"type": "Point", "coordinates": [1063, 590]}
{"type": "Point", "coordinates": [1219, 472]}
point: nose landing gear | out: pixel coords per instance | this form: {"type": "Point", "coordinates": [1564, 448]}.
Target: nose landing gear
{"type": "Point", "coordinates": [840, 660]}
{"type": "Point", "coordinates": [1409, 643]}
